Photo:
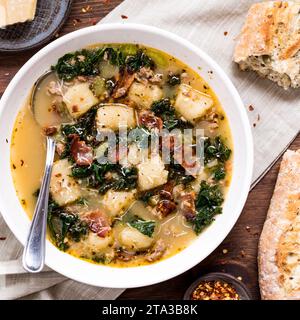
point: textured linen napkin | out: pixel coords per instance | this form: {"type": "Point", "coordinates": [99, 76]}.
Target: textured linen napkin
{"type": "Point", "coordinates": [213, 26]}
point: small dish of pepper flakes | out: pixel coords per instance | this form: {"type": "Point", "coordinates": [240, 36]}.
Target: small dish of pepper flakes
{"type": "Point", "coordinates": [214, 290]}
{"type": "Point", "coordinates": [217, 286]}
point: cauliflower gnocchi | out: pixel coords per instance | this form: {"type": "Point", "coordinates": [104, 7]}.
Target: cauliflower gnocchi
{"type": "Point", "coordinates": [192, 104]}
{"type": "Point", "coordinates": [143, 95]}
{"type": "Point", "coordinates": [79, 99]}
{"type": "Point", "coordinates": [115, 116]}
{"type": "Point", "coordinates": [64, 189]}
{"type": "Point", "coordinates": [134, 240]}
{"type": "Point", "coordinates": [152, 173]}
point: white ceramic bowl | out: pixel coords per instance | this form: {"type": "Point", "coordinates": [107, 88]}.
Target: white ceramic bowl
{"type": "Point", "coordinates": [106, 276]}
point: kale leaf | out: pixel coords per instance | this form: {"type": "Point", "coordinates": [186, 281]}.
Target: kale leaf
{"type": "Point", "coordinates": [84, 126]}
{"type": "Point", "coordinates": [174, 79]}
{"type": "Point", "coordinates": [219, 172]}
{"type": "Point", "coordinates": [80, 63]}
{"type": "Point", "coordinates": [139, 60]}
{"type": "Point", "coordinates": [114, 56]}
{"type": "Point", "coordinates": [126, 180]}
{"type": "Point", "coordinates": [164, 109]}
{"type": "Point", "coordinates": [215, 148]}
{"type": "Point", "coordinates": [147, 195]}
{"type": "Point", "coordinates": [62, 224]}
{"type": "Point", "coordinates": [178, 174]}
{"type": "Point", "coordinates": [143, 226]}
{"type": "Point", "coordinates": [208, 204]}
{"type": "Point", "coordinates": [86, 62]}
{"type": "Point", "coordinates": [96, 176]}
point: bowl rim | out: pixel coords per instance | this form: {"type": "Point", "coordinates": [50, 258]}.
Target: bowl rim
{"type": "Point", "coordinates": [155, 277]}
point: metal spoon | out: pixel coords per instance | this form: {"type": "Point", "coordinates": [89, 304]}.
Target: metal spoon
{"type": "Point", "coordinates": [34, 251]}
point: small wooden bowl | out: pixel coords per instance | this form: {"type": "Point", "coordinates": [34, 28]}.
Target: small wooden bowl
{"type": "Point", "coordinates": [240, 288]}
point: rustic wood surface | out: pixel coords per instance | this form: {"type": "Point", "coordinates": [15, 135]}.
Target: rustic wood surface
{"type": "Point", "coordinates": [238, 253]}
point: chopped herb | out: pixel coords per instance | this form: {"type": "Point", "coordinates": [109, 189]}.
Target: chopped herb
{"type": "Point", "coordinates": [143, 226]}
{"type": "Point", "coordinates": [208, 204]}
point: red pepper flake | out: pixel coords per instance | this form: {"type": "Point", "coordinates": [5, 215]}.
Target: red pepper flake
{"type": "Point", "coordinates": [251, 108]}
{"type": "Point", "coordinates": [225, 33]}
{"type": "Point", "coordinates": [124, 17]}
{"type": "Point", "coordinates": [93, 21]}
{"type": "Point", "coordinates": [75, 22]}
{"type": "Point", "coordinates": [22, 162]}
{"type": "Point", "coordinates": [254, 125]}
{"type": "Point", "coordinates": [2, 238]}
{"type": "Point", "coordinates": [86, 9]}
{"type": "Point", "coordinates": [215, 290]}
{"type": "Point", "coordinates": [14, 166]}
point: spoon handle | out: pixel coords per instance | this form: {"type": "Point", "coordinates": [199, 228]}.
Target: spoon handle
{"type": "Point", "coordinates": [34, 251]}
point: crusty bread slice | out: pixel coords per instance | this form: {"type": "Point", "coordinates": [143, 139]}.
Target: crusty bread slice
{"type": "Point", "coordinates": [270, 42]}
{"type": "Point", "coordinates": [279, 246]}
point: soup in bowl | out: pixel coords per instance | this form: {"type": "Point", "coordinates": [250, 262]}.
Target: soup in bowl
{"type": "Point", "coordinates": [146, 154]}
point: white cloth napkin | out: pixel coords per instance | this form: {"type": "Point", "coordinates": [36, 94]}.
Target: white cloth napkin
{"type": "Point", "coordinates": [213, 26]}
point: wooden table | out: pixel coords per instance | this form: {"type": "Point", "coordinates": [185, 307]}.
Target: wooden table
{"type": "Point", "coordinates": [238, 253]}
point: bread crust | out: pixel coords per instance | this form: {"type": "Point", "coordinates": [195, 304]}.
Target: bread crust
{"type": "Point", "coordinates": [279, 245]}
{"type": "Point", "coordinates": [272, 29]}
